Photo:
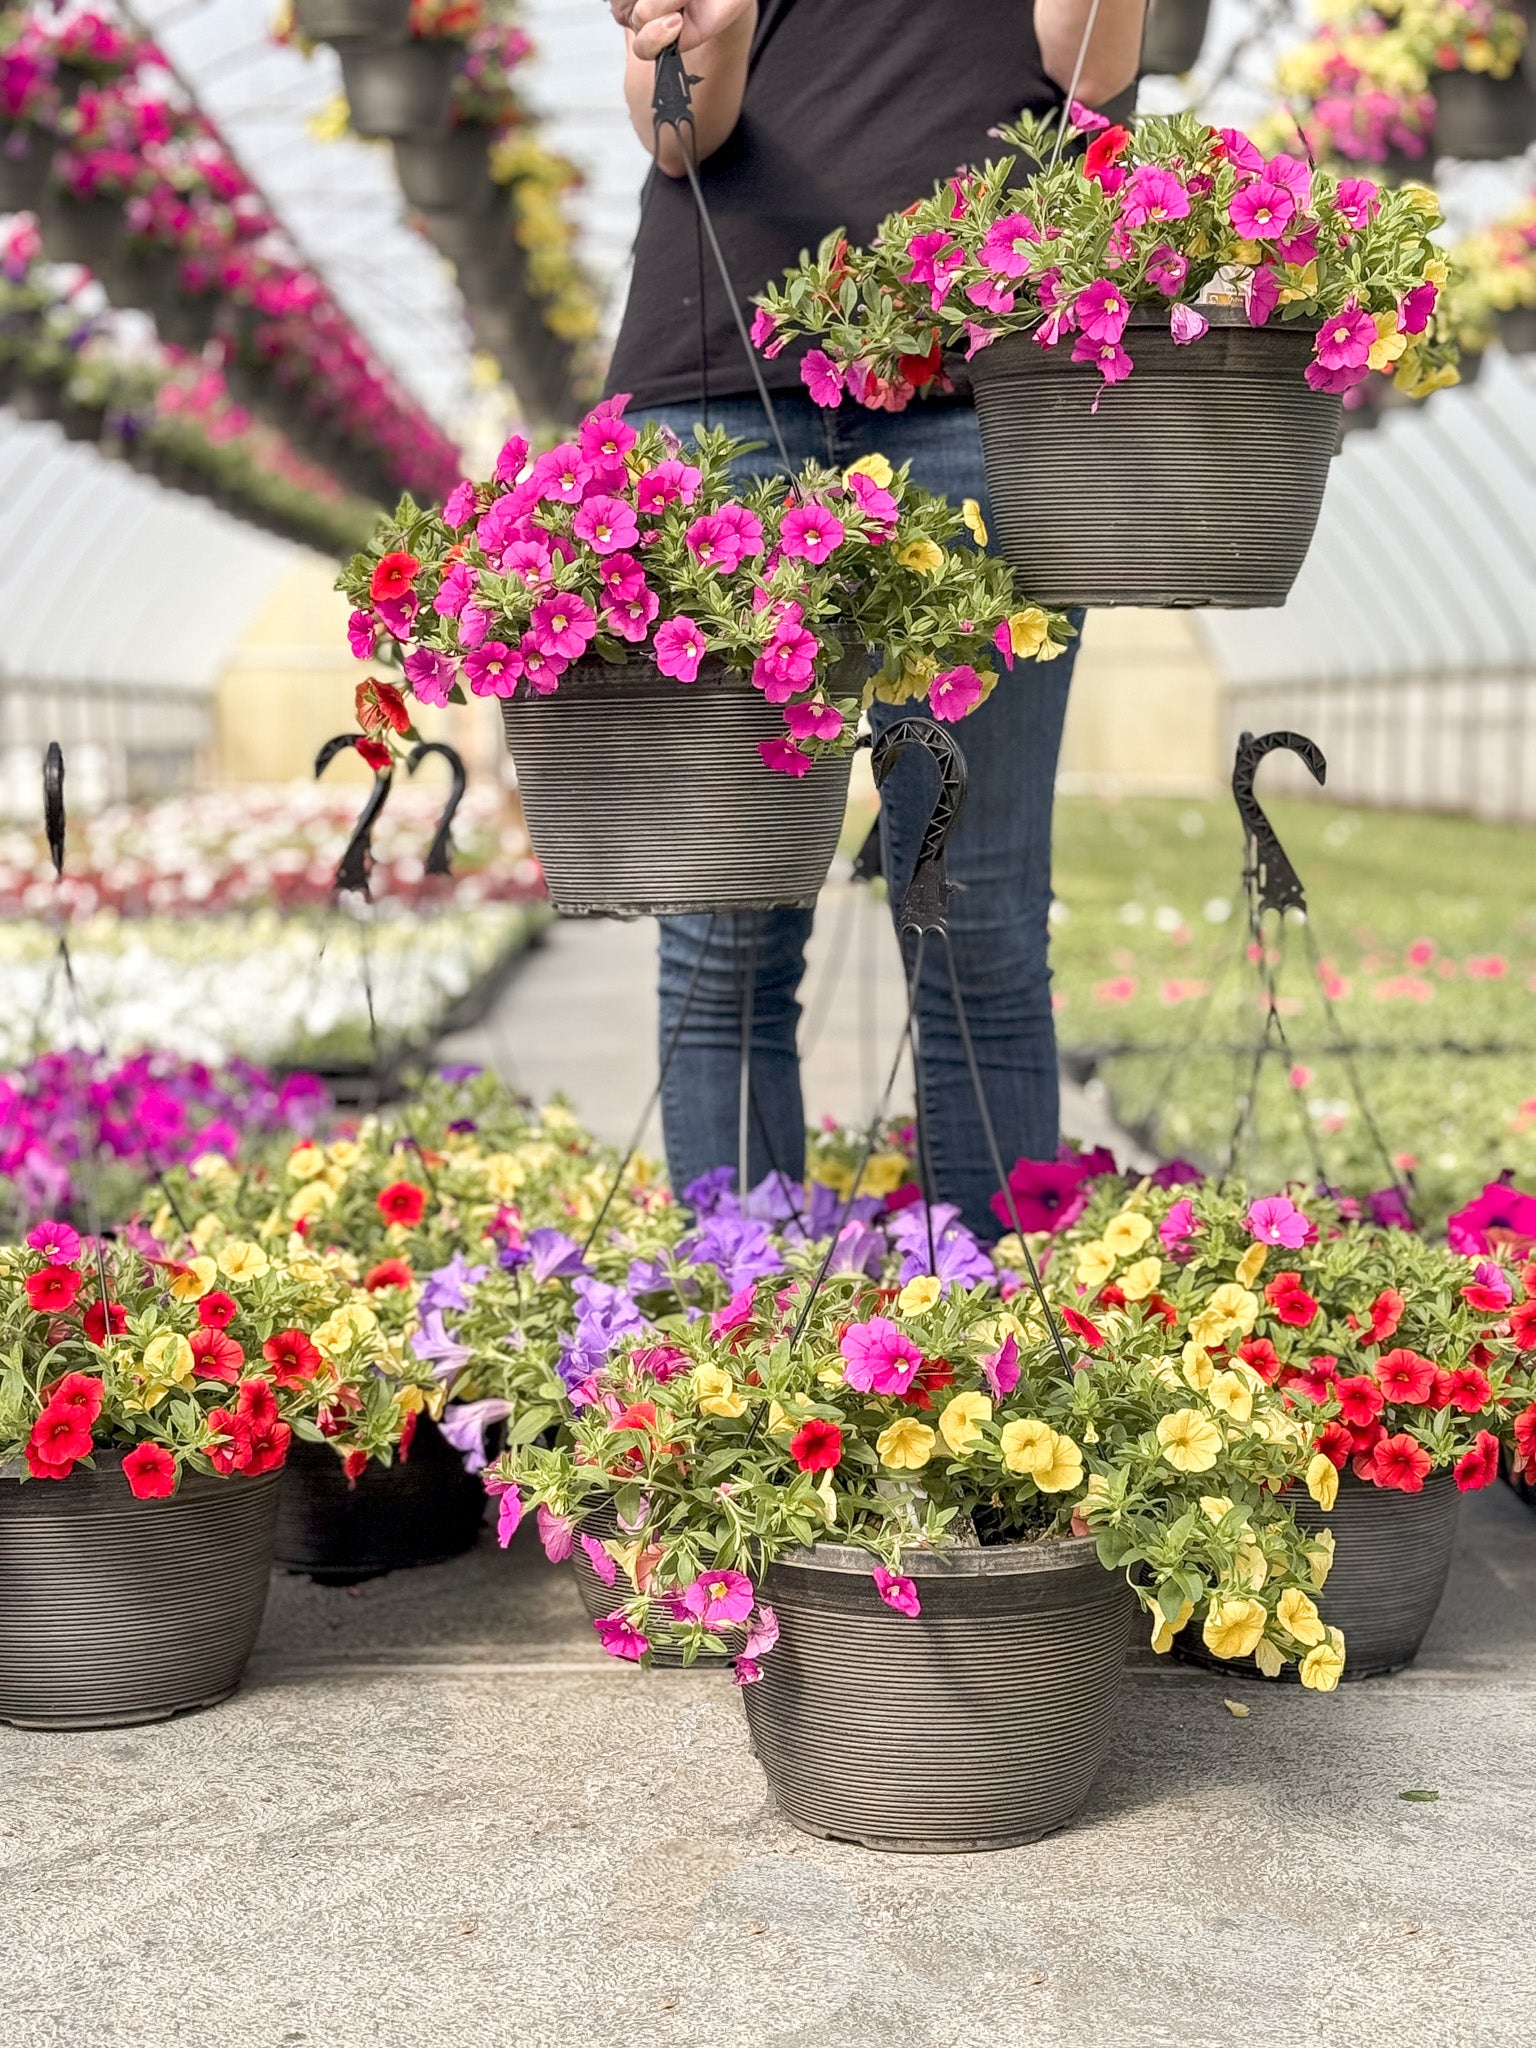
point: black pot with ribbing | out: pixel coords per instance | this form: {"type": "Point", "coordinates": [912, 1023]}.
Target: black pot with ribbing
{"type": "Point", "coordinates": [115, 1610]}
{"type": "Point", "coordinates": [396, 90]}
{"type": "Point", "coordinates": [980, 1723]}
{"type": "Point", "coordinates": [339, 21]}
{"type": "Point", "coordinates": [34, 396]}
{"type": "Point", "coordinates": [423, 1510]}
{"type": "Point", "coordinates": [646, 796]}
{"type": "Point", "coordinates": [79, 230]}
{"type": "Point", "coordinates": [1392, 1553]}
{"type": "Point", "coordinates": [1480, 119]}
{"type": "Point", "coordinates": [24, 170]}
{"type": "Point", "coordinates": [1197, 481]}
{"type": "Point", "coordinates": [1517, 332]}
{"type": "Point", "coordinates": [1174, 36]}
{"type": "Point", "coordinates": [444, 170]}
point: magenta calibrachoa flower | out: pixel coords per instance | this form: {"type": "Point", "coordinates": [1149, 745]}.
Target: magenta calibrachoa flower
{"type": "Point", "coordinates": [613, 546]}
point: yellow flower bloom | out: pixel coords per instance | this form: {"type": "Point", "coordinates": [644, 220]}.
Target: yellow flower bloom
{"type": "Point", "coordinates": [1323, 1482]}
{"type": "Point", "coordinates": [1233, 1628]}
{"type": "Point", "coordinates": [1140, 1280]}
{"type": "Point", "coordinates": [195, 1282]}
{"type": "Point", "coordinates": [1319, 1556]}
{"type": "Point", "coordinates": [205, 1230]}
{"type": "Point", "coordinates": [1417, 380]}
{"type": "Point", "coordinates": [826, 1500]}
{"type": "Point", "coordinates": [989, 1335]}
{"type": "Point", "coordinates": [1164, 1630]}
{"type": "Point", "coordinates": [344, 1152]}
{"type": "Point", "coordinates": [1052, 1460]}
{"type": "Point", "coordinates": [875, 467]}
{"type": "Point", "coordinates": [1322, 1668]}
{"type": "Point", "coordinates": [976, 526]}
{"type": "Point", "coordinates": [715, 1392]}
{"type": "Point", "coordinates": [1214, 1506]}
{"type": "Point", "coordinates": [960, 1424]}
{"type": "Point", "coordinates": [1198, 1369]}
{"type": "Point", "coordinates": [309, 1200]}
{"type": "Point", "coordinates": [919, 1295]}
{"type": "Point", "coordinates": [1251, 1264]}
{"type": "Point", "coordinates": [926, 557]}
{"type": "Point", "coordinates": [1191, 1442]}
{"type": "Point", "coordinates": [503, 1174]}
{"type": "Point", "coordinates": [779, 1423]}
{"type": "Point", "coordinates": [1238, 1303]}
{"type": "Point", "coordinates": [1008, 1252]}
{"type": "Point", "coordinates": [1029, 634]}
{"type": "Point", "coordinates": [410, 1400]}
{"type": "Point", "coordinates": [1388, 345]}
{"type": "Point", "coordinates": [905, 1445]}
{"type": "Point", "coordinates": [167, 1363]}
{"type": "Point", "coordinates": [1125, 1234]}
{"type": "Point", "coordinates": [1436, 272]}
{"type": "Point", "coordinates": [556, 1117]}
{"type": "Point", "coordinates": [213, 1171]}
{"type": "Point", "coordinates": [1268, 1659]}
{"type": "Point", "coordinates": [1299, 1617]}
{"type": "Point", "coordinates": [885, 1172]}
{"type": "Point", "coordinates": [1095, 1263]}
{"type": "Point", "coordinates": [1252, 1566]}
{"type": "Point", "coordinates": [306, 1160]}
{"type": "Point", "coordinates": [1228, 1393]}
{"type": "Point", "coordinates": [242, 1260]}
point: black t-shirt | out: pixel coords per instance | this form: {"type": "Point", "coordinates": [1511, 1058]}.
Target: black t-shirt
{"type": "Point", "coordinates": [853, 109]}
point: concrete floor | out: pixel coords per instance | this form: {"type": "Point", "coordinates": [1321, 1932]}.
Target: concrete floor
{"type": "Point", "coordinates": [435, 1814]}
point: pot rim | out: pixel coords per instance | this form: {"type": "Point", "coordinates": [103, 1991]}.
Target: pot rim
{"type": "Point", "coordinates": [1001, 1560]}
{"type": "Point", "coordinates": [1146, 320]}
{"type": "Point", "coordinates": [107, 1462]}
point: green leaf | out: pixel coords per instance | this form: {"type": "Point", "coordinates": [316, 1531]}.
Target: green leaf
{"type": "Point", "coordinates": [1420, 1798]}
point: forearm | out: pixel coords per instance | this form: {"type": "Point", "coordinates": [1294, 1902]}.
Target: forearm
{"type": "Point", "coordinates": [720, 66]}
{"type": "Point", "coordinates": [1114, 48]}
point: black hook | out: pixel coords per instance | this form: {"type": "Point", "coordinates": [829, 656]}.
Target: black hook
{"type": "Point", "coordinates": [927, 897]}
{"type": "Point", "coordinates": [1267, 871]}
{"type": "Point", "coordinates": [672, 92]}
{"type": "Point", "coordinates": [356, 864]}
{"type": "Point", "coordinates": [53, 805]}
{"type": "Point", "coordinates": [440, 855]}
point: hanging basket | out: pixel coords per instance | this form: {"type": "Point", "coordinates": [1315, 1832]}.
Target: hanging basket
{"type": "Point", "coordinates": [1517, 332]}
{"type": "Point", "coordinates": [1478, 118]}
{"type": "Point", "coordinates": [1393, 1554]}
{"type": "Point", "coordinates": [340, 21]}
{"type": "Point", "coordinates": [34, 396]}
{"type": "Point", "coordinates": [422, 1511]}
{"type": "Point", "coordinates": [115, 1610]}
{"type": "Point", "coordinates": [79, 230]}
{"type": "Point", "coordinates": [80, 421]}
{"type": "Point", "coordinates": [469, 236]}
{"type": "Point", "coordinates": [24, 175]}
{"type": "Point", "coordinates": [1197, 482]}
{"type": "Point", "coordinates": [1174, 37]}
{"type": "Point", "coordinates": [400, 90]}
{"type": "Point", "coordinates": [444, 170]}
{"type": "Point", "coordinates": [980, 1723]}
{"type": "Point", "coordinates": [599, 1599]}
{"type": "Point", "coordinates": [645, 796]}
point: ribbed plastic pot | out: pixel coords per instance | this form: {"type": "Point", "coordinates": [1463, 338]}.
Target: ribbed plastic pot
{"type": "Point", "coordinates": [1478, 118]}
{"type": "Point", "coordinates": [424, 1511]}
{"type": "Point", "coordinates": [82, 422]}
{"type": "Point", "coordinates": [115, 1610]}
{"type": "Point", "coordinates": [181, 318]}
{"type": "Point", "coordinates": [1391, 1558]}
{"type": "Point", "coordinates": [598, 1599]}
{"type": "Point", "coordinates": [24, 177]}
{"type": "Point", "coordinates": [646, 796]}
{"type": "Point", "coordinates": [980, 1723]}
{"type": "Point", "coordinates": [1175, 35]}
{"type": "Point", "coordinates": [399, 90]}
{"type": "Point", "coordinates": [444, 170]}
{"type": "Point", "coordinates": [339, 21]}
{"type": "Point", "coordinates": [1198, 481]}
{"type": "Point", "coordinates": [469, 236]}
{"type": "Point", "coordinates": [1517, 331]}
{"type": "Point", "coordinates": [79, 230]}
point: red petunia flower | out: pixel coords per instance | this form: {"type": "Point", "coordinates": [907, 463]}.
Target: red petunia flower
{"type": "Point", "coordinates": [407, 1437]}
{"type": "Point", "coordinates": [1386, 1314]}
{"type": "Point", "coordinates": [393, 575]}
{"type": "Point", "coordinates": [1479, 1466]}
{"type": "Point", "coordinates": [639, 1415]}
{"type": "Point", "coordinates": [263, 1447]}
{"type": "Point", "coordinates": [1406, 1375]}
{"type": "Point", "coordinates": [1482, 1355]}
{"type": "Point", "coordinates": [1488, 1301]}
{"type": "Point", "coordinates": [932, 1377]}
{"type": "Point", "coordinates": [816, 1446]}
{"type": "Point", "coordinates": [389, 1273]}
{"type": "Point", "coordinates": [1525, 1438]}
{"type": "Point", "coordinates": [255, 1404]}
{"type": "Point", "coordinates": [380, 705]}
{"type": "Point", "coordinates": [1262, 1356]}
{"type": "Point", "coordinates": [215, 1356]}
{"type": "Point", "coordinates": [217, 1311]}
{"type": "Point", "coordinates": [1290, 1300]}
{"type": "Point", "coordinates": [375, 753]}
{"type": "Point", "coordinates": [1522, 1325]}
{"type": "Point", "coordinates": [1469, 1389]}
{"type": "Point", "coordinates": [150, 1471]}
{"type": "Point", "coordinates": [59, 1437]}
{"type": "Point", "coordinates": [53, 1289]}
{"type": "Point", "coordinates": [354, 1464]}
{"type": "Point", "coordinates": [1336, 1442]}
{"type": "Point", "coordinates": [94, 1321]}
{"type": "Point", "coordinates": [1080, 1326]}
{"type": "Point", "coordinates": [1110, 1297]}
{"type": "Point", "coordinates": [292, 1357]}
{"type": "Point", "coordinates": [402, 1202]}
{"type": "Point", "coordinates": [1400, 1464]}
{"type": "Point", "coordinates": [1360, 1399]}
{"type": "Point", "coordinates": [1107, 147]}
{"type": "Point", "coordinates": [79, 1394]}
{"type": "Point", "coordinates": [223, 1455]}
{"type": "Point", "coordinates": [1157, 1305]}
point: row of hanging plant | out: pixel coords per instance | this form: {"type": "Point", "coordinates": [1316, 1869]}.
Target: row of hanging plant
{"type": "Point", "coordinates": [439, 82]}
{"type": "Point", "coordinates": [1493, 293]}
{"type": "Point", "coordinates": [128, 178]}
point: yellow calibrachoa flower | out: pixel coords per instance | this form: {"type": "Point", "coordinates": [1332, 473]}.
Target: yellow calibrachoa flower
{"type": "Point", "coordinates": [344, 1153]}
{"type": "Point", "coordinates": [1323, 1482]}
{"type": "Point", "coordinates": [1140, 1280]}
{"type": "Point", "coordinates": [905, 1445]}
{"type": "Point", "coordinates": [960, 1424]}
{"type": "Point", "coordinates": [167, 1363]}
{"type": "Point", "coordinates": [825, 1499]}
{"type": "Point", "coordinates": [410, 1400]}
{"type": "Point", "coordinates": [1252, 1565]}
{"type": "Point", "coordinates": [1095, 1263]}
{"type": "Point", "coordinates": [1320, 1557]}
{"type": "Point", "coordinates": [1125, 1234]}
{"type": "Point", "coordinates": [1233, 1628]}
{"type": "Point", "coordinates": [1268, 1659]}
{"type": "Point", "coordinates": [989, 1335]}
{"type": "Point", "coordinates": [306, 1160]}
{"type": "Point", "coordinates": [919, 1295]}
{"type": "Point", "coordinates": [1214, 1506]}
{"type": "Point", "coordinates": [1299, 1617]}
{"type": "Point", "coordinates": [975, 525]}
{"type": "Point", "coordinates": [1389, 343]}
{"type": "Point", "coordinates": [1164, 1630]}
{"type": "Point", "coordinates": [503, 1174]}
{"type": "Point", "coordinates": [715, 1392]}
{"type": "Point", "coordinates": [1029, 635]}
{"type": "Point", "coordinates": [1230, 1309]}
{"type": "Point", "coordinates": [310, 1199]}
{"type": "Point", "coordinates": [1198, 1369]}
{"type": "Point", "coordinates": [205, 1230]}
{"type": "Point", "coordinates": [885, 1172]}
{"type": "Point", "coordinates": [1052, 1460]}
{"type": "Point", "coordinates": [779, 1423]}
{"type": "Point", "coordinates": [1228, 1393]}
{"type": "Point", "coordinates": [1191, 1442]}
{"type": "Point", "coordinates": [194, 1282]}
{"type": "Point", "coordinates": [1323, 1667]}
{"type": "Point", "coordinates": [875, 467]}
{"type": "Point", "coordinates": [242, 1260]}
{"type": "Point", "coordinates": [1251, 1264]}
{"type": "Point", "coordinates": [926, 557]}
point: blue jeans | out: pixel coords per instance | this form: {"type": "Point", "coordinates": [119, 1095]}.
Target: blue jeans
{"type": "Point", "coordinates": [999, 861]}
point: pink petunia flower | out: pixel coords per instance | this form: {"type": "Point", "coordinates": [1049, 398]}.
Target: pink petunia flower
{"type": "Point", "coordinates": [59, 1242]}
{"type": "Point", "coordinates": [678, 649]}
{"type": "Point", "coordinates": [1186, 325]}
{"type": "Point", "coordinates": [541, 671]}
{"type": "Point", "coordinates": [1277, 1220]}
{"type": "Point", "coordinates": [556, 1533]}
{"type": "Point", "coordinates": [431, 675]}
{"type": "Point", "coordinates": [492, 670]}
{"type": "Point", "coordinates": [809, 533]}
{"type": "Point", "coordinates": [1294, 173]}
{"type": "Point", "coordinates": [814, 720]}
{"type": "Point", "coordinates": [562, 475]}
{"type": "Point", "coordinates": [601, 1563]}
{"type": "Point", "coordinates": [361, 635]}
{"type": "Point", "coordinates": [1261, 211]}
{"type": "Point", "coordinates": [1107, 357]}
{"type": "Point", "coordinates": [736, 1314]}
{"type": "Point", "coordinates": [605, 439]}
{"type": "Point", "coordinates": [787, 663]}
{"type": "Point", "coordinates": [1008, 245]}
{"type": "Point", "coordinates": [622, 578]}
{"type": "Point", "coordinates": [1152, 194]}
{"type": "Point", "coordinates": [1167, 268]}
{"type": "Point", "coordinates": [1101, 310]}
{"type": "Point", "coordinates": [878, 1357]}
{"type": "Point", "coordinates": [719, 1598]}
{"type": "Point", "coordinates": [606, 524]}
{"type": "Point", "coordinates": [455, 591]}
{"type": "Point", "coordinates": [764, 327]}
{"type": "Point", "coordinates": [620, 1638]}
{"type": "Point", "coordinates": [1178, 1227]}
{"type": "Point", "coordinates": [723, 540]}
{"type": "Point", "coordinates": [669, 483]}
{"type": "Point", "coordinates": [530, 561]}
{"type": "Point", "coordinates": [876, 505]}
{"type": "Point", "coordinates": [1413, 314]}
{"type": "Point", "coordinates": [1000, 1369]}
{"type": "Point", "coordinates": [474, 624]}
{"type": "Point", "coordinates": [1358, 200]}
{"type": "Point", "coordinates": [459, 505]}
{"type": "Point", "coordinates": [562, 625]}
{"type": "Point", "coordinates": [510, 460]}
{"type": "Point", "coordinates": [785, 758]}
{"type": "Point", "coordinates": [821, 377]}
{"type": "Point", "coordinates": [1234, 147]}
{"type": "Point", "coordinates": [1261, 296]}
{"type": "Point", "coordinates": [954, 692]}
{"type": "Point", "coordinates": [508, 1515]}
{"type": "Point", "coordinates": [630, 617]}
{"type": "Point", "coordinates": [935, 259]}
{"type": "Point", "coordinates": [897, 1592]}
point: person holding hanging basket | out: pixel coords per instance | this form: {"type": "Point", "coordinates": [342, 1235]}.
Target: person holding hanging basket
{"type": "Point", "coordinates": [810, 115]}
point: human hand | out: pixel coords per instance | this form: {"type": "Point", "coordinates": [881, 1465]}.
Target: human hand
{"type": "Point", "coordinates": [656, 23]}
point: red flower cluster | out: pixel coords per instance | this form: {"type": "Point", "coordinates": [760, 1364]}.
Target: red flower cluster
{"type": "Point", "coordinates": [292, 1357]}
{"type": "Point", "coordinates": [252, 1439]}
{"type": "Point", "coordinates": [1290, 1300]}
{"type": "Point", "coordinates": [402, 1202]}
{"type": "Point", "coordinates": [816, 1446]}
{"type": "Point", "coordinates": [61, 1435]}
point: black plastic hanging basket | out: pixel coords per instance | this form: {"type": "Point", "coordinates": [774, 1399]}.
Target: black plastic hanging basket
{"type": "Point", "coordinates": [1517, 332]}
{"type": "Point", "coordinates": [338, 21]}
{"type": "Point", "coordinates": [397, 90]}
{"type": "Point", "coordinates": [1392, 1557]}
{"type": "Point", "coordinates": [79, 230]}
{"type": "Point", "coordinates": [424, 1510]}
{"type": "Point", "coordinates": [1480, 119]}
{"type": "Point", "coordinates": [444, 170]}
{"type": "Point", "coordinates": [115, 1610]}
{"type": "Point", "coordinates": [24, 171]}
{"type": "Point", "coordinates": [979, 1723]}
{"type": "Point", "coordinates": [1175, 35]}
{"type": "Point", "coordinates": [646, 796]}
{"type": "Point", "coordinates": [1197, 482]}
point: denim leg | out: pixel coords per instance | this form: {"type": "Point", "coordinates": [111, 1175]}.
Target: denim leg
{"type": "Point", "coordinates": [701, 1094]}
